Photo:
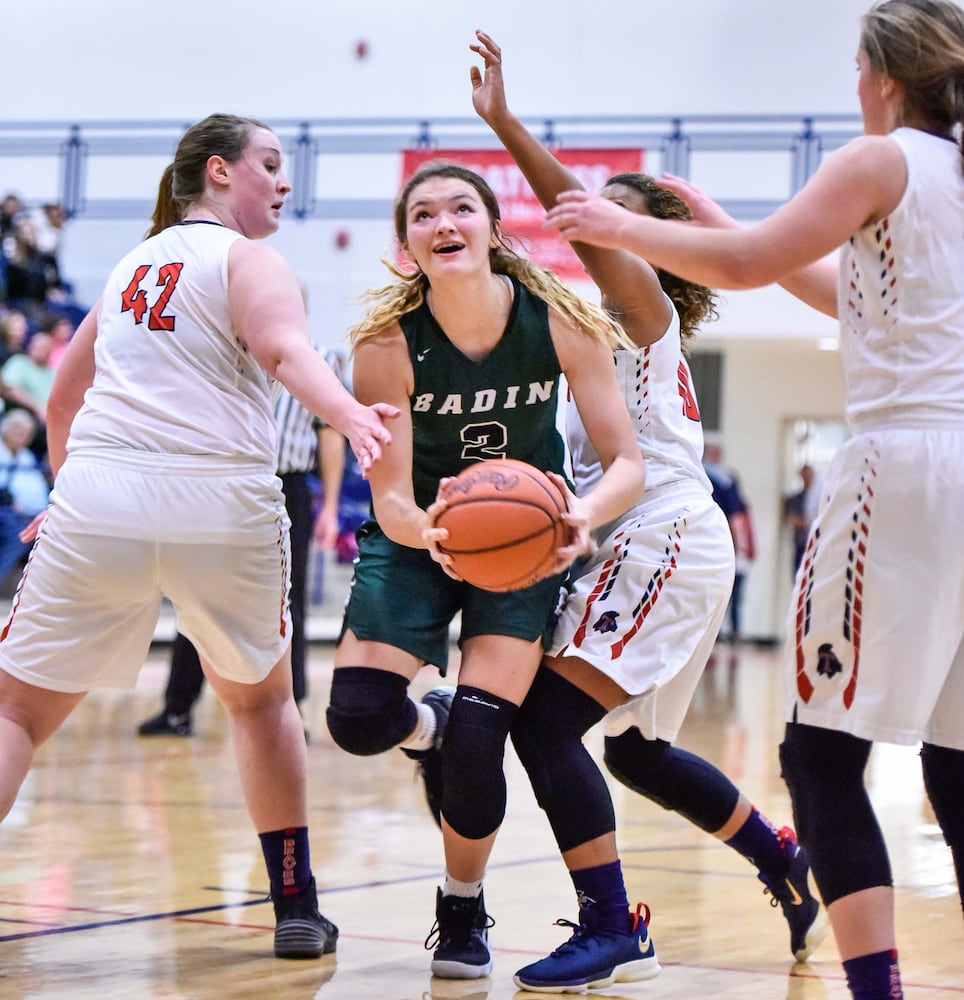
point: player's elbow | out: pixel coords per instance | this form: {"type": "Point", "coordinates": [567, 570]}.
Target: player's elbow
{"type": "Point", "coordinates": [743, 270]}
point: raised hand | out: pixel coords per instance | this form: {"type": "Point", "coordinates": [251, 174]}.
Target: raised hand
{"type": "Point", "coordinates": [488, 88]}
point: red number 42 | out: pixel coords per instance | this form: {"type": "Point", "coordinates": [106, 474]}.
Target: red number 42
{"type": "Point", "coordinates": [134, 298]}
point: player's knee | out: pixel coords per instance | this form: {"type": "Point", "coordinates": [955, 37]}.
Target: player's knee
{"type": "Point", "coordinates": [637, 763]}
{"type": "Point", "coordinates": [835, 819]}
{"type": "Point", "coordinates": [554, 712]}
{"type": "Point", "coordinates": [818, 762]}
{"type": "Point", "coordinates": [473, 802]}
{"type": "Point", "coordinates": [369, 710]}
{"type": "Point", "coordinates": [944, 778]}
{"type": "Point", "coordinates": [547, 736]}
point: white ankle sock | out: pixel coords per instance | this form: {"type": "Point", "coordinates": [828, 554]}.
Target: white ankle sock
{"type": "Point", "coordinates": [467, 890]}
{"type": "Point", "coordinates": [423, 738]}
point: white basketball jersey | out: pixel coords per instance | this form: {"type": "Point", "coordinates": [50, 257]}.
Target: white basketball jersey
{"type": "Point", "coordinates": [171, 375]}
{"type": "Point", "coordinates": [900, 303]}
{"type": "Point", "coordinates": [658, 389]}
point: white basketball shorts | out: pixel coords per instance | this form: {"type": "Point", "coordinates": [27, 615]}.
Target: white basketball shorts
{"type": "Point", "coordinates": [646, 608]}
{"type": "Point", "coordinates": [121, 535]}
{"type": "Point", "coordinates": [876, 620]}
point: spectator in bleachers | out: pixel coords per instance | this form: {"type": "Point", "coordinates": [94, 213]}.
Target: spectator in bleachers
{"type": "Point", "coordinates": [27, 379]}
{"type": "Point", "coordinates": [24, 489]}
{"type": "Point", "coordinates": [11, 210]}
{"type": "Point", "coordinates": [49, 220]}
{"type": "Point", "coordinates": [61, 329]}
{"type": "Point", "coordinates": [14, 329]}
{"type": "Point", "coordinates": [34, 283]}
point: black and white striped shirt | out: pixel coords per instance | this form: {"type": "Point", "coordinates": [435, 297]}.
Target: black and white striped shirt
{"type": "Point", "coordinates": [297, 436]}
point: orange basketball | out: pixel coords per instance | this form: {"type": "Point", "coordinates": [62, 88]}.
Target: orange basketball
{"type": "Point", "coordinates": [504, 523]}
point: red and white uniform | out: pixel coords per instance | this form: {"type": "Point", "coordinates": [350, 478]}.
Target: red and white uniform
{"type": "Point", "coordinates": [168, 490]}
{"type": "Point", "coordinates": [876, 624]}
{"type": "Point", "coordinates": [646, 608]}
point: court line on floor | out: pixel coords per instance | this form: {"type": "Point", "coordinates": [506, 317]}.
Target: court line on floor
{"type": "Point", "coordinates": [261, 898]}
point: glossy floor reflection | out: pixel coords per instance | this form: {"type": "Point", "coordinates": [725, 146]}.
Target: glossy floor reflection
{"type": "Point", "coordinates": [130, 868]}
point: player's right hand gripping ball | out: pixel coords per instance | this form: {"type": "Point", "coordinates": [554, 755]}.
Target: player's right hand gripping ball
{"type": "Point", "coordinates": [504, 520]}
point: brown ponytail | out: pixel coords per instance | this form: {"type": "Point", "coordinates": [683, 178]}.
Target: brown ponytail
{"type": "Point", "coordinates": [166, 210]}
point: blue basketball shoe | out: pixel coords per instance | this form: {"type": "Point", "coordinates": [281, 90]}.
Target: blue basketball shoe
{"type": "Point", "coordinates": [594, 957]}
{"type": "Point", "coordinates": [803, 912]}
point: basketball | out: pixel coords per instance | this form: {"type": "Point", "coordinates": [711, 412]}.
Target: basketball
{"type": "Point", "coordinates": [504, 523]}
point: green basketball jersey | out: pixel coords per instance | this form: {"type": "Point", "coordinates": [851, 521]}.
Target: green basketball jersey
{"type": "Point", "coordinates": [504, 406]}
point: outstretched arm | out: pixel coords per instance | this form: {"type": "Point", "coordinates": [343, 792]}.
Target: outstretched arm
{"type": "Point", "coordinates": [815, 284]}
{"type": "Point", "coordinates": [860, 183]}
{"type": "Point", "coordinates": [267, 311]}
{"type": "Point", "coordinates": [630, 287]}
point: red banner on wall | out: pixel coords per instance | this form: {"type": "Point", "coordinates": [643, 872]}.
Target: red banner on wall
{"type": "Point", "coordinates": [522, 214]}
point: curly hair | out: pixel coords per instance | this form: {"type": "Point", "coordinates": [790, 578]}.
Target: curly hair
{"type": "Point", "coordinates": [387, 303]}
{"type": "Point", "coordinates": [696, 304]}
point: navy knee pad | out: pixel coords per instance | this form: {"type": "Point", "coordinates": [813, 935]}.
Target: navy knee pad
{"type": "Point", "coordinates": [547, 736]}
{"type": "Point", "coordinates": [944, 780]}
{"type": "Point", "coordinates": [673, 778]}
{"type": "Point", "coordinates": [473, 797]}
{"type": "Point", "coordinates": [369, 710]}
{"type": "Point", "coordinates": [554, 708]}
{"type": "Point", "coordinates": [835, 821]}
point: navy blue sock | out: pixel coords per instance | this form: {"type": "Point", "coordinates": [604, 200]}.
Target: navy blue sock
{"type": "Point", "coordinates": [874, 977]}
{"type": "Point", "coordinates": [602, 896]}
{"type": "Point", "coordinates": [287, 859]}
{"type": "Point", "coordinates": [759, 842]}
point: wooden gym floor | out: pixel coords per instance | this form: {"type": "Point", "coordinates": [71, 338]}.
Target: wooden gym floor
{"type": "Point", "coordinates": [130, 868]}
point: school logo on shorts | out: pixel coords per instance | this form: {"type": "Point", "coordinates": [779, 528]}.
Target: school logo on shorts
{"type": "Point", "coordinates": [827, 663]}
{"type": "Point", "coordinates": [606, 622]}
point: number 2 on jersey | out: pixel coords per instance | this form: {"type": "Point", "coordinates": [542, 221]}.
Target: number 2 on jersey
{"type": "Point", "coordinates": [134, 298]}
